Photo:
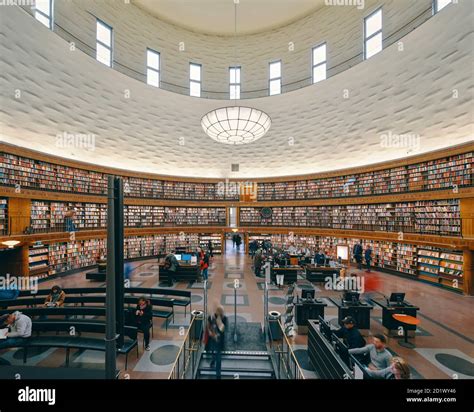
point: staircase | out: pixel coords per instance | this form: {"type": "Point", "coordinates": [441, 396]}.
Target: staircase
{"type": "Point", "coordinates": [238, 364]}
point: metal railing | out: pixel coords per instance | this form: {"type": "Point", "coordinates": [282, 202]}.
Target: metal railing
{"type": "Point", "coordinates": [187, 359]}
{"type": "Point", "coordinates": [284, 359]}
{"type": "Point", "coordinates": [350, 62]}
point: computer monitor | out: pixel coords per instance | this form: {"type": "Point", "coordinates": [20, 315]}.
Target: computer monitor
{"type": "Point", "coordinates": [397, 297]}
{"type": "Point", "coordinates": [178, 257]}
{"type": "Point", "coordinates": [325, 328]}
{"type": "Point", "coordinates": [342, 350]}
{"type": "Point", "coordinates": [351, 296]}
{"type": "Point", "coordinates": [186, 257]}
{"type": "Point", "coordinates": [307, 293]}
{"type": "Point", "coordinates": [194, 260]}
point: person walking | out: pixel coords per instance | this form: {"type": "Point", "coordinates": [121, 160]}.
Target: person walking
{"type": "Point", "coordinates": [204, 264]}
{"type": "Point", "coordinates": [210, 248]}
{"type": "Point", "coordinates": [357, 252]}
{"type": "Point", "coordinates": [257, 262]}
{"type": "Point", "coordinates": [238, 241]}
{"type": "Point", "coordinates": [216, 329]}
{"type": "Point", "coordinates": [234, 240]}
{"type": "Point", "coordinates": [368, 257]}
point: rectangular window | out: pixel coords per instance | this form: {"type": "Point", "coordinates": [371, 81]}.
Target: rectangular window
{"type": "Point", "coordinates": [195, 79]}
{"type": "Point", "coordinates": [274, 85]}
{"type": "Point", "coordinates": [234, 82]}
{"type": "Point", "coordinates": [373, 34]}
{"type": "Point", "coordinates": [44, 12]}
{"type": "Point", "coordinates": [153, 68]}
{"type": "Point", "coordinates": [439, 5]}
{"type": "Point", "coordinates": [319, 63]}
{"type": "Point", "coordinates": [104, 43]}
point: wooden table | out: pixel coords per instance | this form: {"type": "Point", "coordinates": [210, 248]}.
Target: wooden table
{"type": "Point", "coordinates": [406, 320]}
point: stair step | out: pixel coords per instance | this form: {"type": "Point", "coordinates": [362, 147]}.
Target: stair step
{"type": "Point", "coordinates": [257, 365]}
{"type": "Point", "coordinates": [239, 357]}
{"type": "Point", "coordinates": [232, 375]}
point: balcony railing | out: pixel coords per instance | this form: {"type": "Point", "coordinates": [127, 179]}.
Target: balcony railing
{"type": "Point", "coordinates": [340, 67]}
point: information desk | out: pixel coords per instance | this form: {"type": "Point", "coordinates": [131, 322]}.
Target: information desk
{"type": "Point", "coordinates": [326, 362]}
{"type": "Point", "coordinates": [290, 273]}
{"type": "Point", "coordinates": [306, 310]}
{"type": "Point", "coordinates": [360, 312]}
{"type": "Point", "coordinates": [187, 273]}
{"type": "Point", "coordinates": [320, 273]}
{"type": "Point", "coordinates": [389, 309]}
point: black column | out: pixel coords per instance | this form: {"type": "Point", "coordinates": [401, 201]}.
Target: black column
{"type": "Point", "coordinates": [110, 297]}
{"type": "Point", "coordinates": [119, 276]}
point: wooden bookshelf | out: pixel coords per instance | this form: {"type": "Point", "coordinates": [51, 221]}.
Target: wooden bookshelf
{"type": "Point", "coordinates": [3, 216]}
{"type": "Point", "coordinates": [440, 217]}
{"type": "Point", "coordinates": [38, 261]}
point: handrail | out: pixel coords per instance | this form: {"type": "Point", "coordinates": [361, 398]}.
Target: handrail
{"type": "Point", "coordinates": [348, 63]}
{"type": "Point", "coordinates": [187, 354]}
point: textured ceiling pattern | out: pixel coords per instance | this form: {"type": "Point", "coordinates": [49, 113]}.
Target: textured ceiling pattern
{"type": "Point", "coordinates": [217, 16]}
{"type": "Point", "coordinates": [424, 90]}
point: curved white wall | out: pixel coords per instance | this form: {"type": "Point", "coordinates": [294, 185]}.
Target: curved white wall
{"type": "Point", "coordinates": [135, 30]}
{"type": "Point", "coordinates": [46, 89]}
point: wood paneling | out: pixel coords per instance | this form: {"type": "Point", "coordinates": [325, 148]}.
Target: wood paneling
{"type": "Point", "coordinates": [19, 215]}
{"type": "Point", "coordinates": [467, 217]}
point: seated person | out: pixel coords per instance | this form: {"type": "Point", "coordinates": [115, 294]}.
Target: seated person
{"type": "Point", "coordinates": [379, 355]}
{"type": "Point", "coordinates": [55, 298]}
{"type": "Point", "coordinates": [350, 334]}
{"type": "Point", "coordinates": [143, 319]}
{"type": "Point", "coordinates": [19, 328]}
{"type": "Point", "coordinates": [398, 369]}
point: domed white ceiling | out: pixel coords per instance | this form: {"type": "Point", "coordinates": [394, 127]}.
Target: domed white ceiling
{"type": "Point", "coordinates": [424, 89]}
{"type": "Point", "coordinates": [217, 16]}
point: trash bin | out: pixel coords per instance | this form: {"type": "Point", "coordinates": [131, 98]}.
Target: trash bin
{"type": "Point", "coordinates": [198, 316]}
{"type": "Point", "coordinates": [273, 324]}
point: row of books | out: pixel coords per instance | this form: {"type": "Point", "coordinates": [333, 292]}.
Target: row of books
{"type": "Point", "coordinates": [428, 263]}
{"type": "Point", "coordinates": [65, 256]}
{"type": "Point", "coordinates": [447, 172]}
{"type": "Point", "coordinates": [49, 216]}
{"type": "Point", "coordinates": [443, 217]}
{"type": "Point", "coordinates": [3, 216]}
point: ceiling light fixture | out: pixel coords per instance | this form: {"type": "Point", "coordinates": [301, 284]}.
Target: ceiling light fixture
{"type": "Point", "coordinates": [235, 125]}
{"type": "Point", "coordinates": [11, 243]}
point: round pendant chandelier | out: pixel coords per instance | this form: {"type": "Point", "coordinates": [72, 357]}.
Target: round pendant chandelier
{"type": "Point", "coordinates": [236, 125]}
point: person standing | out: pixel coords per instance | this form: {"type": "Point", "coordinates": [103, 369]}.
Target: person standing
{"type": "Point", "coordinates": [204, 264]}
{"type": "Point", "coordinates": [144, 317]}
{"type": "Point", "coordinates": [368, 257]}
{"type": "Point", "coordinates": [238, 241]}
{"type": "Point", "coordinates": [234, 240]}
{"type": "Point", "coordinates": [216, 329]}
{"type": "Point", "coordinates": [171, 265]}
{"type": "Point", "coordinates": [210, 248]}
{"type": "Point", "coordinates": [257, 262]}
{"type": "Point", "coordinates": [357, 252]}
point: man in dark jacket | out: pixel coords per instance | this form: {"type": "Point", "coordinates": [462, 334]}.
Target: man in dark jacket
{"type": "Point", "coordinates": [171, 265]}
{"type": "Point", "coordinates": [143, 318]}
{"type": "Point", "coordinates": [368, 257]}
{"type": "Point", "coordinates": [357, 252]}
{"type": "Point", "coordinates": [350, 334]}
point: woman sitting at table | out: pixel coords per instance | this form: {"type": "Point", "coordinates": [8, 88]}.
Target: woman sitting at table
{"type": "Point", "coordinates": [398, 369]}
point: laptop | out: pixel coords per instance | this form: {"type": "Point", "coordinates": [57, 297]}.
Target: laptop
{"type": "Point", "coordinates": [3, 333]}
